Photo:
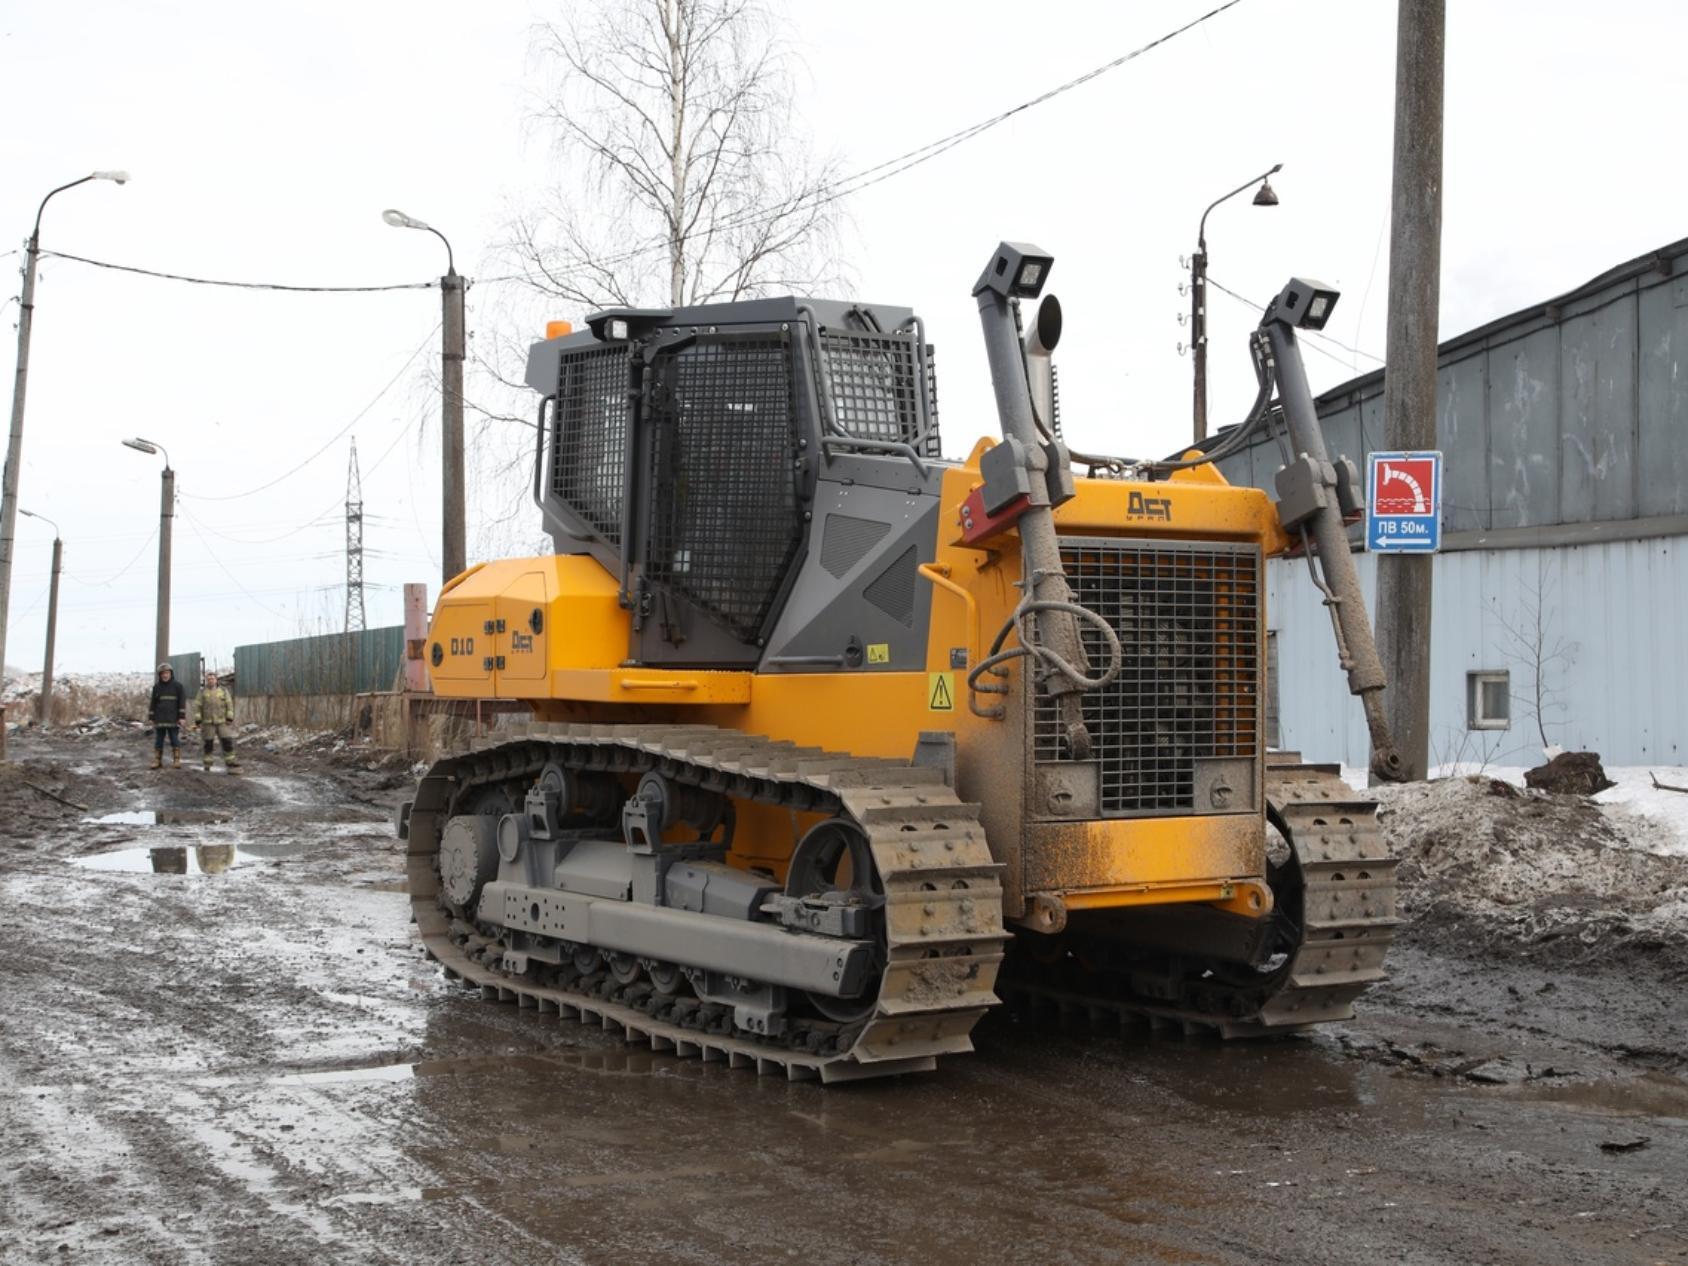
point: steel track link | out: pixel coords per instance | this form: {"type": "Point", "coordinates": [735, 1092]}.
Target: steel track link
{"type": "Point", "coordinates": [1343, 880]}
{"type": "Point", "coordinates": [943, 930]}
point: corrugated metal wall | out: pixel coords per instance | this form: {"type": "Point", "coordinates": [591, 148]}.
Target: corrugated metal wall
{"type": "Point", "coordinates": [1615, 610]}
{"type": "Point", "coordinates": [332, 664]}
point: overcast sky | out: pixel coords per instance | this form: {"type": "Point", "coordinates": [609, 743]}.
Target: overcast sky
{"type": "Point", "coordinates": [264, 143]}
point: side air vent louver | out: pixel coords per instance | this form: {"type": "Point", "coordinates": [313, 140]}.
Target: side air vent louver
{"type": "Point", "coordinates": [847, 541]}
{"type": "Point", "coordinates": [893, 591]}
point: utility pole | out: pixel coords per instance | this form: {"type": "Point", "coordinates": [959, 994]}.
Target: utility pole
{"type": "Point", "coordinates": [1264, 196]}
{"type": "Point", "coordinates": [44, 705]}
{"type": "Point", "coordinates": [454, 556]}
{"type": "Point", "coordinates": [354, 544]}
{"type": "Point", "coordinates": [20, 383]}
{"type": "Point", "coordinates": [1409, 380]}
{"type": "Point", "coordinates": [453, 552]}
{"type": "Point", "coordinates": [166, 516]}
{"type": "Point", "coordinates": [52, 632]}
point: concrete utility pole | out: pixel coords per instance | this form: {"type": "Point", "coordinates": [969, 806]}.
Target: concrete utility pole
{"type": "Point", "coordinates": [14, 446]}
{"type": "Point", "coordinates": [44, 705]}
{"type": "Point", "coordinates": [453, 348]}
{"type": "Point", "coordinates": [1409, 380]}
{"type": "Point", "coordinates": [454, 557]}
{"type": "Point", "coordinates": [1264, 196]}
{"type": "Point", "coordinates": [166, 515]}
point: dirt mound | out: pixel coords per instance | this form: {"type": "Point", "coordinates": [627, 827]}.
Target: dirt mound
{"type": "Point", "coordinates": [1489, 869]}
{"type": "Point", "coordinates": [37, 794]}
{"type": "Point", "coordinates": [1570, 774]}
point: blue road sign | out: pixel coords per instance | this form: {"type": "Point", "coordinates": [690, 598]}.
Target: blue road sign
{"type": "Point", "coordinates": [1404, 502]}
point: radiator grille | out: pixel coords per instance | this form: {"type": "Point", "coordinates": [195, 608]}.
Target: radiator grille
{"type": "Point", "coordinates": [589, 437]}
{"type": "Point", "coordinates": [1188, 620]}
{"type": "Point", "coordinates": [874, 385]}
{"type": "Point", "coordinates": [724, 522]}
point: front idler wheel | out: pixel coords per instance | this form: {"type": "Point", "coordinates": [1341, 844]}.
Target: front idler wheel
{"type": "Point", "coordinates": [833, 864]}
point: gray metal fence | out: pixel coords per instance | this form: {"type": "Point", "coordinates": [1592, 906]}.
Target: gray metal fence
{"type": "Point", "coordinates": [331, 664]}
{"type": "Point", "coordinates": [188, 668]}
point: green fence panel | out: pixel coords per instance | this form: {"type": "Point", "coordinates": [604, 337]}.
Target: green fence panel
{"type": "Point", "coordinates": [330, 664]}
{"type": "Point", "coordinates": [188, 667]}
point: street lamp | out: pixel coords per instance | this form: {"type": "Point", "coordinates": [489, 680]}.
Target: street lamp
{"type": "Point", "coordinates": [1264, 196]}
{"type": "Point", "coordinates": [44, 703]}
{"type": "Point", "coordinates": [14, 446]}
{"type": "Point", "coordinates": [167, 511]}
{"type": "Point", "coordinates": [453, 554]}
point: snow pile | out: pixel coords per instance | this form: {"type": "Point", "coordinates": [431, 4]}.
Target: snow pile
{"type": "Point", "coordinates": [78, 698]}
{"type": "Point", "coordinates": [1635, 793]}
{"type": "Point", "coordinates": [1486, 866]}
{"type": "Point", "coordinates": [1638, 792]}
{"type": "Point", "coordinates": [26, 685]}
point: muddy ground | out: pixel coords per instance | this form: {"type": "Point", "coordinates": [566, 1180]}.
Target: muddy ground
{"type": "Point", "coordinates": [253, 1062]}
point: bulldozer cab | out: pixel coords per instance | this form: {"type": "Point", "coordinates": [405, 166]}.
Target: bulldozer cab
{"type": "Point", "coordinates": [682, 450]}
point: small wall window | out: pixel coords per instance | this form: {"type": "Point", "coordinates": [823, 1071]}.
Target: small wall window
{"type": "Point", "coordinates": [1488, 700]}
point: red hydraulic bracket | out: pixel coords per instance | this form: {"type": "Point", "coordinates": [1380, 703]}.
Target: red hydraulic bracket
{"type": "Point", "coordinates": [977, 526]}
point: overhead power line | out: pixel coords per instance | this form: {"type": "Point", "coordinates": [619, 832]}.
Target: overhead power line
{"type": "Point", "coordinates": [823, 195]}
{"type": "Point", "coordinates": [882, 171]}
{"type": "Point", "coordinates": [329, 443]}
{"type": "Point", "coordinates": [1318, 334]}
{"type": "Point", "coordinates": [241, 285]}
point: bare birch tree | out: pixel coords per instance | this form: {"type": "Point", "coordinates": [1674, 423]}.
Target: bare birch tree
{"type": "Point", "coordinates": [697, 185]}
{"type": "Point", "coordinates": [1533, 643]}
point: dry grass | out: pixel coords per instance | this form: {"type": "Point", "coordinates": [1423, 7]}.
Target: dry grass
{"type": "Point", "coordinates": [74, 702]}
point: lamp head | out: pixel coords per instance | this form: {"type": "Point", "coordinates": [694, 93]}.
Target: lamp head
{"type": "Point", "coordinates": [141, 446]}
{"type": "Point", "coordinates": [1303, 304]}
{"type": "Point", "coordinates": [1265, 196]}
{"type": "Point", "coordinates": [119, 177]}
{"type": "Point", "coordinates": [399, 220]}
{"type": "Point", "coordinates": [1017, 271]}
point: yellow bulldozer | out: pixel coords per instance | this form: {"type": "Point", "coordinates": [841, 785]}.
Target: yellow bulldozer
{"type": "Point", "coordinates": [835, 741]}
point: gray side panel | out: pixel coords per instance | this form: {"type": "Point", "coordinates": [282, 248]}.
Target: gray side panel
{"type": "Point", "coordinates": [879, 599]}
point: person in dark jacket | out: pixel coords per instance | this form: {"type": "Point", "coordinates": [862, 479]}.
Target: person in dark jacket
{"type": "Point", "coordinates": [166, 710]}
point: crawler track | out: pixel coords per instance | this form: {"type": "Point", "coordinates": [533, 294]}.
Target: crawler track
{"type": "Point", "coordinates": [943, 933]}
{"type": "Point", "coordinates": [1334, 921]}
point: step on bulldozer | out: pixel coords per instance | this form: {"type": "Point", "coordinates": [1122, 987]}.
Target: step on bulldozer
{"type": "Point", "coordinates": [835, 742]}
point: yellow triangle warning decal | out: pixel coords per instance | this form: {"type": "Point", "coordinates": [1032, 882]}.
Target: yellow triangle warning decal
{"type": "Point", "coordinates": [940, 692]}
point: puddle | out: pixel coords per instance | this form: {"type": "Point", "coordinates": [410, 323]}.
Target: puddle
{"type": "Point", "coordinates": [160, 817]}
{"type": "Point", "coordinates": [1651, 1094]}
{"type": "Point", "coordinates": [634, 1062]}
{"type": "Point", "coordinates": [142, 817]}
{"type": "Point", "coordinates": [334, 1076]}
{"type": "Point", "coordinates": [278, 849]}
{"type": "Point", "coordinates": [201, 859]}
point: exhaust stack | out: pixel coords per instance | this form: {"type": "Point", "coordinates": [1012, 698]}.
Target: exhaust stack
{"type": "Point", "coordinates": [1040, 341]}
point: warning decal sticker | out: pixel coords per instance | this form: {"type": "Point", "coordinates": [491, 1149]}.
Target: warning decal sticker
{"type": "Point", "coordinates": [940, 692]}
